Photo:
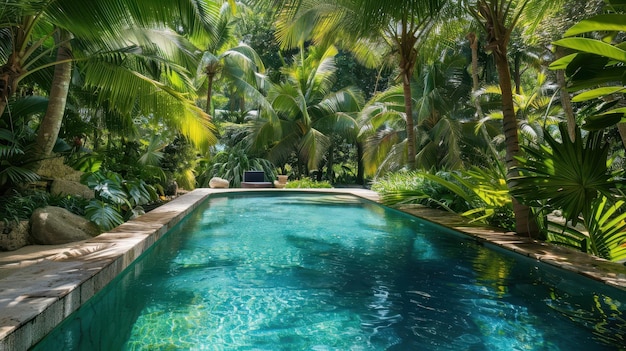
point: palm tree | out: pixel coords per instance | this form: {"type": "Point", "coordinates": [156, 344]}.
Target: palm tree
{"type": "Point", "coordinates": [308, 111]}
{"type": "Point", "coordinates": [100, 35]}
{"type": "Point", "coordinates": [438, 96]}
{"type": "Point", "coordinates": [403, 26]}
{"type": "Point", "coordinates": [234, 63]}
{"type": "Point", "coordinates": [240, 66]}
{"type": "Point", "coordinates": [535, 109]}
{"type": "Point", "coordinates": [498, 19]}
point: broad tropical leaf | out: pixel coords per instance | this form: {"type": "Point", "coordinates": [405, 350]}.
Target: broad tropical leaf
{"type": "Point", "coordinates": [103, 215]}
{"type": "Point", "coordinates": [607, 229]}
{"type": "Point", "coordinates": [607, 22]}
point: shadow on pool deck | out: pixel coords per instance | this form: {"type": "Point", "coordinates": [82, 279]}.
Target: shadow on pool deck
{"type": "Point", "coordinates": [41, 285]}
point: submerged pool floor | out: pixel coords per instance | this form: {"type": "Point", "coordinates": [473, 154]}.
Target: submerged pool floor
{"type": "Point", "coordinates": [221, 291]}
{"type": "Point", "coordinates": [331, 272]}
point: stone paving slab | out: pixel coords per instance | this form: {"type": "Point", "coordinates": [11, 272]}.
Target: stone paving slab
{"type": "Point", "coordinates": [39, 289]}
{"type": "Point", "coordinates": [41, 285]}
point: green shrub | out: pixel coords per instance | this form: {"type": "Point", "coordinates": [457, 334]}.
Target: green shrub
{"type": "Point", "coordinates": [397, 181]}
{"type": "Point", "coordinates": [19, 206]}
{"type": "Point", "coordinates": [415, 188]}
{"type": "Point", "coordinates": [231, 164]}
{"type": "Point", "coordinates": [308, 183]}
{"type": "Point", "coordinates": [117, 199]}
{"type": "Point", "coordinates": [480, 195]}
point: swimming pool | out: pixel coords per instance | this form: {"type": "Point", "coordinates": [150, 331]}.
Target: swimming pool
{"type": "Point", "coordinates": [331, 272]}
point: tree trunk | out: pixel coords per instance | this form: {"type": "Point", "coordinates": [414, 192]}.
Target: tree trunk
{"type": "Point", "coordinates": [330, 174]}
{"type": "Point", "coordinates": [360, 175]}
{"type": "Point", "coordinates": [208, 95]}
{"type": "Point", "coordinates": [525, 223]}
{"type": "Point", "coordinates": [408, 58]}
{"type": "Point", "coordinates": [51, 123]}
{"type": "Point", "coordinates": [566, 102]}
{"type": "Point", "coordinates": [473, 40]}
{"type": "Point", "coordinates": [408, 110]}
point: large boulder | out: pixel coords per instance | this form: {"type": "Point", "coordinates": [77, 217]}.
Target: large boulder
{"type": "Point", "coordinates": [13, 235]}
{"type": "Point", "coordinates": [55, 225]}
{"type": "Point", "coordinates": [69, 187]}
{"type": "Point", "coordinates": [55, 168]}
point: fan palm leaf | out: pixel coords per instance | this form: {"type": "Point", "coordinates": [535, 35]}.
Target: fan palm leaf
{"type": "Point", "coordinates": [566, 175]}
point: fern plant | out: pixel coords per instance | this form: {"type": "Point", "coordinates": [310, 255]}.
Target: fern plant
{"type": "Point", "coordinates": [13, 168]}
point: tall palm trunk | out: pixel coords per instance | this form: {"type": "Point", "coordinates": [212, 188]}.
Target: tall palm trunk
{"type": "Point", "coordinates": [408, 58]}
{"type": "Point", "coordinates": [330, 173]}
{"type": "Point", "coordinates": [360, 175]}
{"type": "Point", "coordinates": [410, 126]}
{"type": "Point", "coordinates": [51, 123]}
{"type": "Point", "coordinates": [566, 102]}
{"type": "Point", "coordinates": [621, 127]}
{"type": "Point", "coordinates": [473, 41]}
{"type": "Point", "coordinates": [209, 93]}
{"type": "Point", "coordinates": [525, 223]}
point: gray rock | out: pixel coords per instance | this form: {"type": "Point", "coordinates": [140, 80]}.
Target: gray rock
{"type": "Point", "coordinates": [55, 225]}
{"type": "Point", "coordinates": [13, 236]}
{"type": "Point", "coordinates": [68, 187]}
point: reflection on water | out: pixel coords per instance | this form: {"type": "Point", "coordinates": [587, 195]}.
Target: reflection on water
{"type": "Point", "coordinates": [257, 274]}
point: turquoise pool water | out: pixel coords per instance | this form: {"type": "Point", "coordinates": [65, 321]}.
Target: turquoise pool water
{"type": "Point", "coordinates": [329, 272]}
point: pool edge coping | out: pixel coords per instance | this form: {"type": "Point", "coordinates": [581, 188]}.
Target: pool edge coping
{"type": "Point", "coordinates": [36, 306]}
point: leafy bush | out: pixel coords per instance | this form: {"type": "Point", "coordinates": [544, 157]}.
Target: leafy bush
{"type": "Point", "coordinates": [117, 200]}
{"type": "Point", "coordinates": [398, 181]}
{"type": "Point", "coordinates": [416, 188]}
{"type": "Point", "coordinates": [308, 183]}
{"type": "Point", "coordinates": [481, 195]}
{"type": "Point", "coordinates": [19, 206]}
{"type": "Point", "coordinates": [13, 163]}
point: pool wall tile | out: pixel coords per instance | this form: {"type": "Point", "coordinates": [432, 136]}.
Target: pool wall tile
{"type": "Point", "coordinates": [72, 302]}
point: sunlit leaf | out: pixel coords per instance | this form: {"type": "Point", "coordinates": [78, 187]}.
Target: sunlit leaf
{"type": "Point", "coordinates": [593, 46]}
{"type": "Point", "coordinates": [600, 23]}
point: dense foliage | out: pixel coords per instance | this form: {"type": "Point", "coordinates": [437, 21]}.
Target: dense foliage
{"type": "Point", "coordinates": [510, 112]}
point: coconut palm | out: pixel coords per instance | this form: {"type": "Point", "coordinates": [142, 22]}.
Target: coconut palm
{"type": "Point", "coordinates": [308, 111]}
{"type": "Point", "coordinates": [362, 24]}
{"type": "Point", "coordinates": [535, 109]}
{"type": "Point", "coordinates": [240, 66]}
{"type": "Point", "coordinates": [498, 19]}
{"type": "Point", "coordinates": [101, 35]}
{"type": "Point", "coordinates": [226, 60]}
{"type": "Point", "coordinates": [440, 97]}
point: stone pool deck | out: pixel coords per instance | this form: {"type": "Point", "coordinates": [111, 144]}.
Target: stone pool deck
{"type": "Point", "coordinates": [41, 285]}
